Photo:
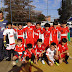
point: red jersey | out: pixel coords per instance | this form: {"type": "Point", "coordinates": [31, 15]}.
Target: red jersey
{"type": "Point", "coordinates": [19, 49]}
{"type": "Point", "coordinates": [63, 32]}
{"type": "Point", "coordinates": [62, 48]}
{"type": "Point", "coordinates": [29, 53]}
{"type": "Point", "coordinates": [39, 49]}
{"type": "Point", "coordinates": [54, 34]}
{"type": "Point", "coordinates": [37, 33]}
{"type": "Point", "coordinates": [29, 31]}
{"type": "Point", "coordinates": [46, 36]}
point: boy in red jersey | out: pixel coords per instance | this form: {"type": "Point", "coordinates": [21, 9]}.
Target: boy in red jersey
{"type": "Point", "coordinates": [54, 33]}
{"type": "Point", "coordinates": [37, 32]}
{"type": "Point", "coordinates": [63, 51]}
{"type": "Point", "coordinates": [29, 31]}
{"type": "Point", "coordinates": [20, 33]}
{"type": "Point", "coordinates": [64, 31]}
{"type": "Point", "coordinates": [46, 33]}
{"type": "Point", "coordinates": [40, 50]}
{"type": "Point", "coordinates": [19, 51]}
{"type": "Point", "coordinates": [30, 55]}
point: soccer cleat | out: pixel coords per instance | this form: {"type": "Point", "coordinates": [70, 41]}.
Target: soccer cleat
{"type": "Point", "coordinates": [66, 62]}
{"type": "Point", "coordinates": [29, 60]}
{"type": "Point", "coordinates": [57, 63]}
{"type": "Point", "coordinates": [43, 62]}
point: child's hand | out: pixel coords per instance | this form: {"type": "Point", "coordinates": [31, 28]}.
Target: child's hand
{"type": "Point", "coordinates": [41, 28]}
{"type": "Point", "coordinates": [40, 55]}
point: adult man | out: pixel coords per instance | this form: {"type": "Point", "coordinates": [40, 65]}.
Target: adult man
{"type": "Point", "coordinates": [2, 27]}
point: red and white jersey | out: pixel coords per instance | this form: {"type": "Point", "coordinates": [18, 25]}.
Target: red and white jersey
{"type": "Point", "coordinates": [63, 32]}
{"type": "Point", "coordinates": [39, 49]}
{"type": "Point", "coordinates": [37, 33]}
{"type": "Point", "coordinates": [19, 49]}
{"type": "Point", "coordinates": [29, 53]}
{"type": "Point", "coordinates": [10, 33]}
{"type": "Point", "coordinates": [50, 53]}
{"type": "Point", "coordinates": [54, 34]}
{"type": "Point", "coordinates": [62, 48]}
{"type": "Point", "coordinates": [29, 31]}
{"type": "Point", "coordinates": [46, 34]}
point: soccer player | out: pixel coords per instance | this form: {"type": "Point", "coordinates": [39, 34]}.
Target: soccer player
{"type": "Point", "coordinates": [54, 33]}
{"type": "Point", "coordinates": [29, 31]}
{"type": "Point", "coordinates": [64, 31]}
{"type": "Point", "coordinates": [46, 33]}
{"type": "Point", "coordinates": [30, 54]}
{"type": "Point", "coordinates": [37, 32]}
{"type": "Point", "coordinates": [20, 33]}
{"type": "Point", "coordinates": [40, 50]}
{"type": "Point", "coordinates": [9, 40]}
{"type": "Point", "coordinates": [19, 51]}
{"type": "Point", "coordinates": [52, 53]}
{"type": "Point", "coordinates": [63, 51]}
{"type": "Point", "coordinates": [2, 27]}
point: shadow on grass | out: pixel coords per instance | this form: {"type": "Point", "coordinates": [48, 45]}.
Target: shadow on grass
{"type": "Point", "coordinates": [25, 68]}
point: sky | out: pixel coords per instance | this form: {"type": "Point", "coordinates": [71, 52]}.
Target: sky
{"type": "Point", "coordinates": [41, 5]}
{"type": "Point", "coordinates": [53, 5]}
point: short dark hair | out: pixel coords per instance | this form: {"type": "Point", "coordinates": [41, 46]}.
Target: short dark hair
{"type": "Point", "coordinates": [64, 22]}
{"type": "Point", "coordinates": [39, 40]}
{"type": "Point", "coordinates": [55, 23]}
{"type": "Point", "coordinates": [38, 23]}
{"type": "Point", "coordinates": [19, 24]}
{"type": "Point", "coordinates": [1, 12]}
{"type": "Point", "coordinates": [28, 20]}
{"type": "Point", "coordinates": [47, 25]}
{"type": "Point", "coordinates": [19, 39]}
{"type": "Point", "coordinates": [9, 23]}
{"type": "Point", "coordinates": [64, 40]}
{"type": "Point", "coordinates": [29, 45]}
{"type": "Point", "coordinates": [53, 43]}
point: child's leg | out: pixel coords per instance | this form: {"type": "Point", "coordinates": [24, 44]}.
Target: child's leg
{"type": "Point", "coordinates": [32, 57]}
{"type": "Point", "coordinates": [60, 61]}
{"type": "Point", "coordinates": [51, 64]}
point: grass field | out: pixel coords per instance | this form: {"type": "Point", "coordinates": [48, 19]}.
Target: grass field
{"type": "Point", "coordinates": [6, 66]}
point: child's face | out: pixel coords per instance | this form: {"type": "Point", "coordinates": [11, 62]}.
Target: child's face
{"type": "Point", "coordinates": [20, 26]}
{"type": "Point", "coordinates": [46, 28]}
{"type": "Point", "coordinates": [29, 49]}
{"type": "Point", "coordinates": [55, 26]}
{"type": "Point", "coordinates": [29, 24]}
{"type": "Point", "coordinates": [64, 25]}
{"type": "Point", "coordinates": [1, 16]}
{"type": "Point", "coordinates": [63, 43]}
{"type": "Point", "coordinates": [9, 26]}
{"type": "Point", "coordinates": [39, 43]}
{"type": "Point", "coordinates": [52, 47]}
{"type": "Point", "coordinates": [37, 26]}
{"type": "Point", "coordinates": [19, 42]}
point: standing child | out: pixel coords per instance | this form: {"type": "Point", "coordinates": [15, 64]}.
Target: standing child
{"type": "Point", "coordinates": [19, 51]}
{"type": "Point", "coordinates": [46, 33]}
{"type": "Point", "coordinates": [37, 32]}
{"type": "Point", "coordinates": [52, 54]}
{"type": "Point", "coordinates": [40, 50]}
{"type": "Point", "coordinates": [63, 51]}
{"type": "Point", "coordinates": [9, 41]}
{"type": "Point", "coordinates": [54, 33]}
{"type": "Point", "coordinates": [29, 31]}
{"type": "Point", "coordinates": [64, 31]}
{"type": "Point", "coordinates": [20, 33]}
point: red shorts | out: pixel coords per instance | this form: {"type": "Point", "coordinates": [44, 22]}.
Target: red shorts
{"type": "Point", "coordinates": [30, 40]}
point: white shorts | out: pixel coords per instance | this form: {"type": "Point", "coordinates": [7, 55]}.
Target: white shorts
{"type": "Point", "coordinates": [52, 60]}
{"type": "Point", "coordinates": [9, 47]}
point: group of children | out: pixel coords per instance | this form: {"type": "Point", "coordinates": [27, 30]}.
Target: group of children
{"type": "Point", "coordinates": [48, 43]}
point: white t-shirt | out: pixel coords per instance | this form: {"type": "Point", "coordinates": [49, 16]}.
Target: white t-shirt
{"type": "Point", "coordinates": [10, 33]}
{"type": "Point", "coordinates": [50, 53]}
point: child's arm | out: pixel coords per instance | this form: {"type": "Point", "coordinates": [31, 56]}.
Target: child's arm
{"type": "Point", "coordinates": [65, 52]}
{"type": "Point", "coordinates": [49, 59]}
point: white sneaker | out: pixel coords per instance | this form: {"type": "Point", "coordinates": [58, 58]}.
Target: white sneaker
{"type": "Point", "coordinates": [43, 62]}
